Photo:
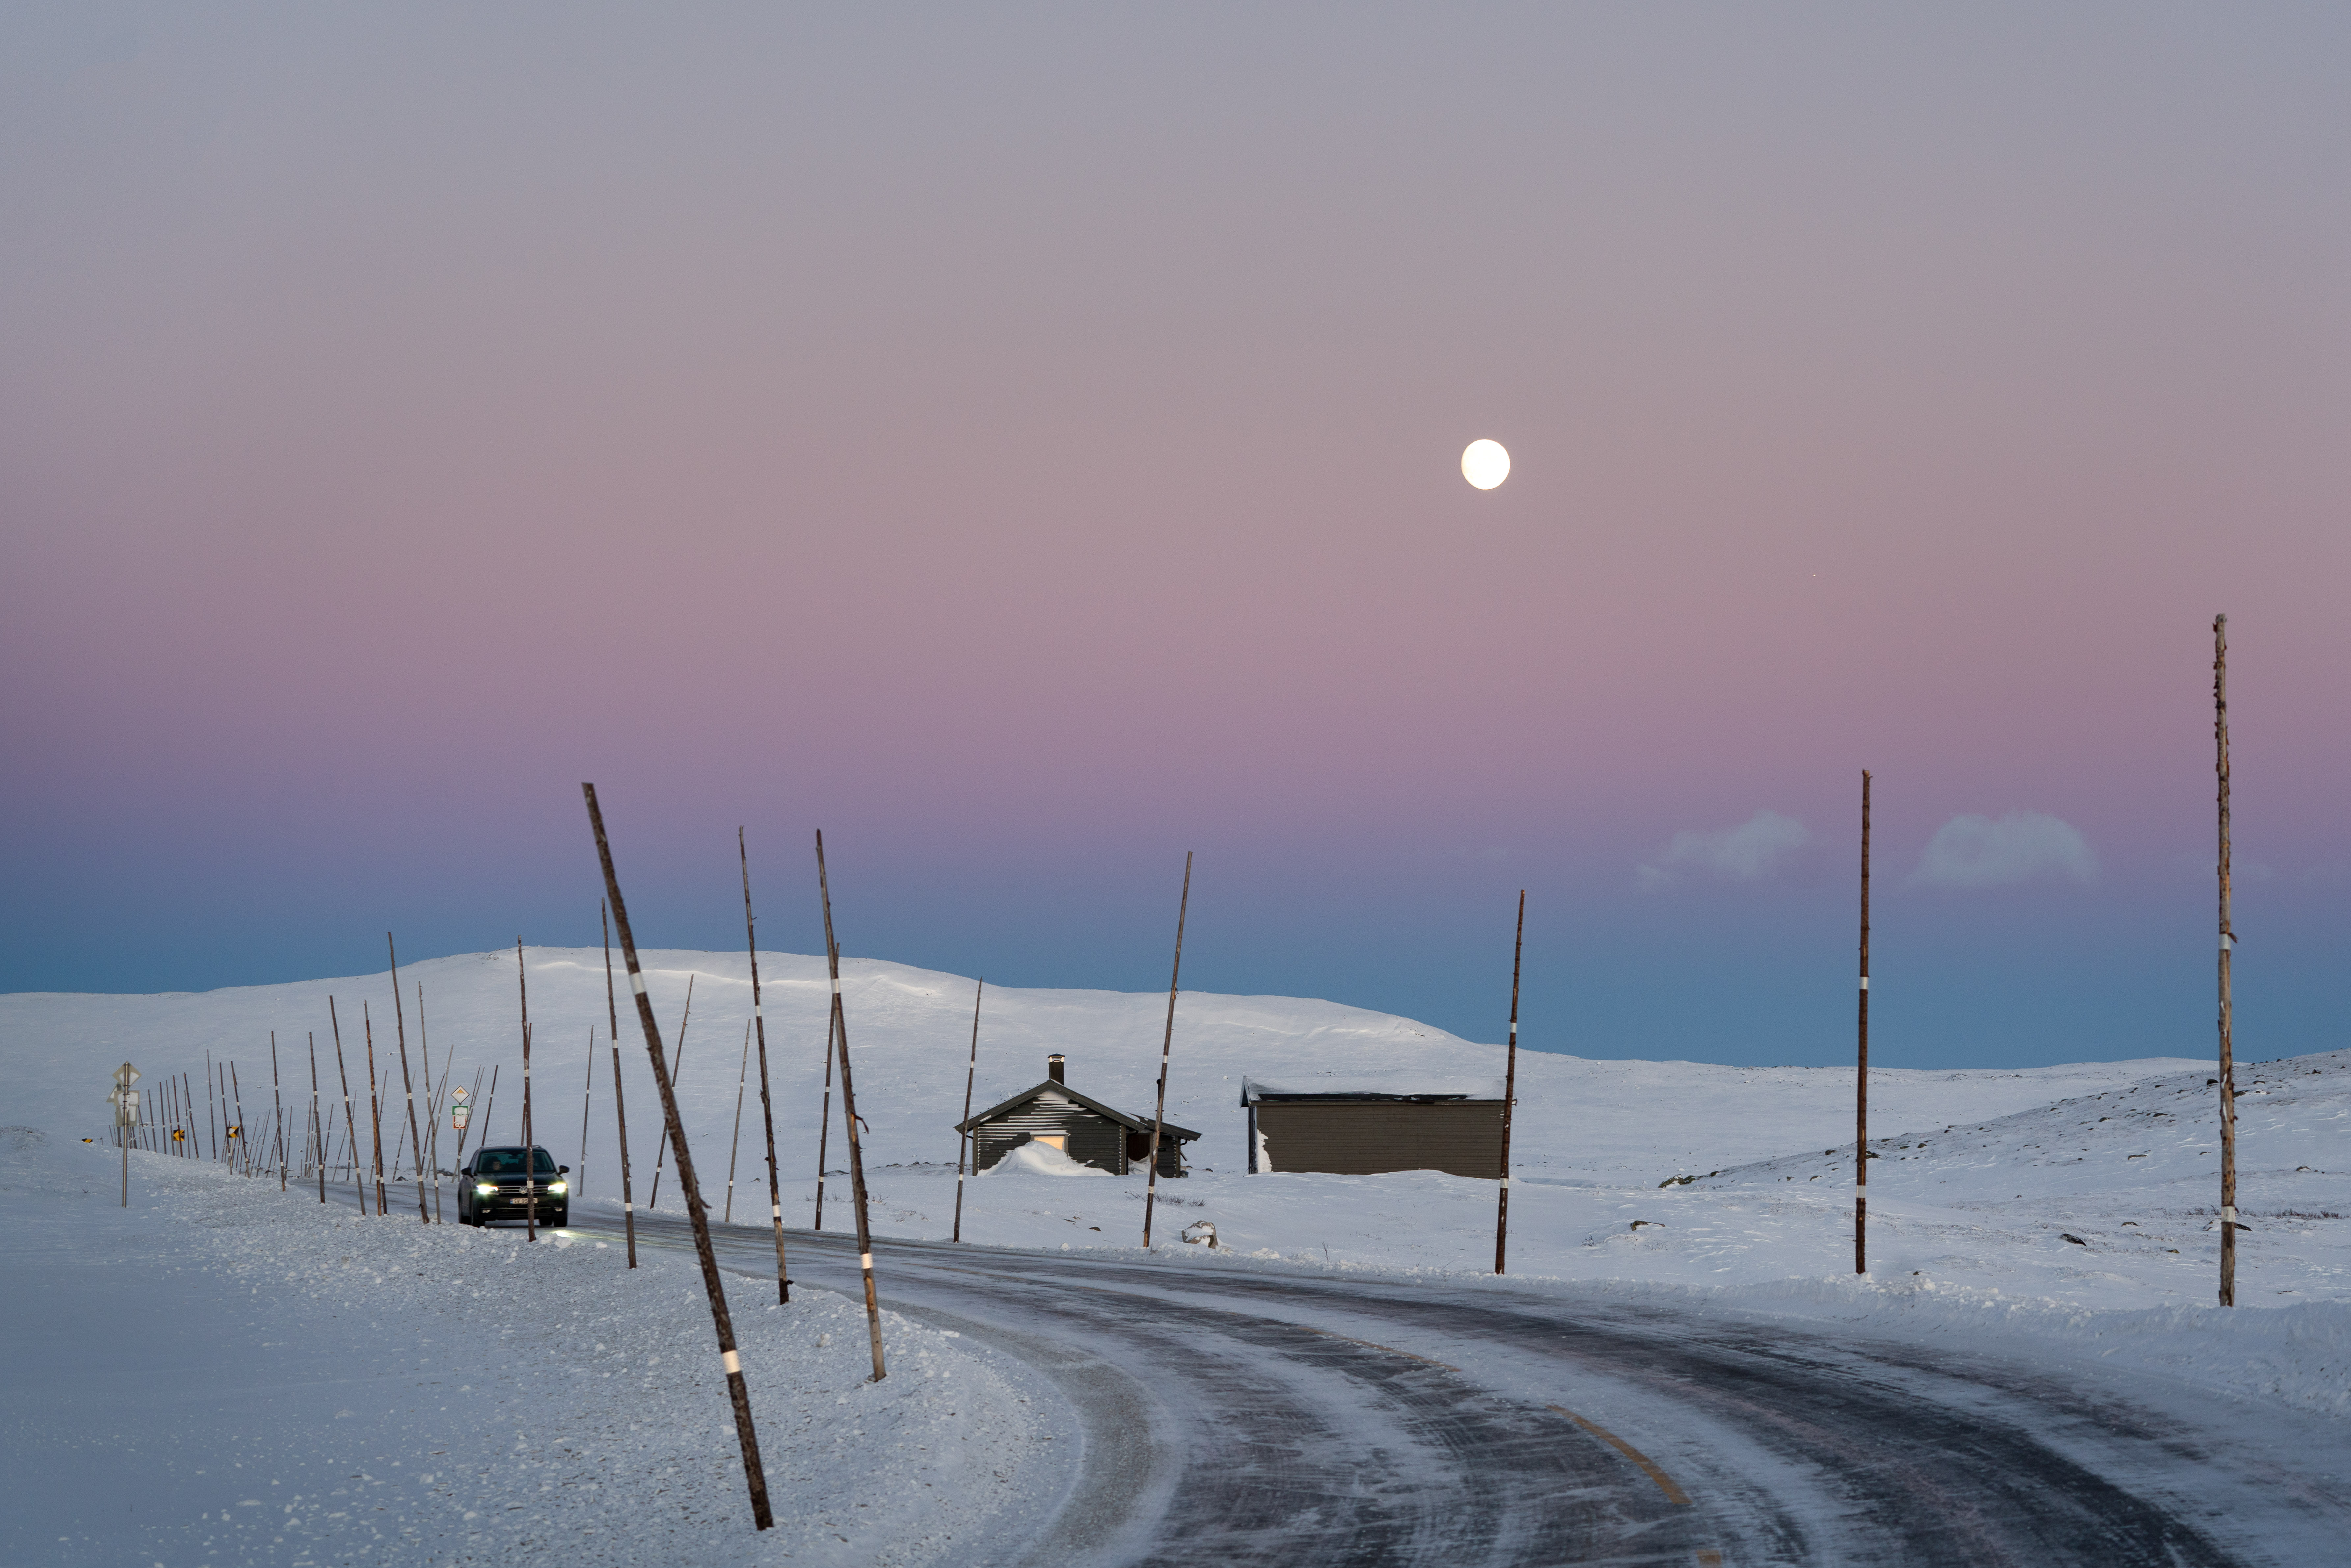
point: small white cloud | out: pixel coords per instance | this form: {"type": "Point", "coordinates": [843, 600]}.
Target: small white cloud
{"type": "Point", "coordinates": [1753, 850]}
{"type": "Point", "coordinates": [2021, 847]}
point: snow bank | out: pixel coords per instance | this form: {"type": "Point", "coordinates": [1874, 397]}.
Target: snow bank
{"type": "Point", "coordinates": [223, 1373]}
{"type": "Point", "coordinates": [1034, 1158]}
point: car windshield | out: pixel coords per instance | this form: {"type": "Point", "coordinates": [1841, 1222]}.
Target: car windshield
{"type": "Point", "coordinates": [508, 1161]}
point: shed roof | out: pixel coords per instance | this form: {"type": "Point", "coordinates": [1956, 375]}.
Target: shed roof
{"type": "Point", "coordinates": [1131, 1123]}
{"type": "Point", "coordinates": [1372, 1086]}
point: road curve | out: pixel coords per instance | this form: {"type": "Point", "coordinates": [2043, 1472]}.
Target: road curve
{"type": "Point", "coordinates": [1239, 1416]}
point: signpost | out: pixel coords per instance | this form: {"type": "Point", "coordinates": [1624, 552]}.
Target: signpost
{"type": "Point", "coordinates": [125, 1101]}
{"type": "Point", "coordinates": [461, 1108]}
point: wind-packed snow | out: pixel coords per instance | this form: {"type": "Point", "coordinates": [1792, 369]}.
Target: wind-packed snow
{"type": "Point", "coordinates": [222, 1373]}
{"type": "Point", "coordinates": [1041, 1159]}
{"type": "Point", "coordinates": [2062, 1212]}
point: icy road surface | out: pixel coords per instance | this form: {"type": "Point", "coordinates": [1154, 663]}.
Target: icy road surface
{"type": "Point", "coordinates": [1264, 1415]}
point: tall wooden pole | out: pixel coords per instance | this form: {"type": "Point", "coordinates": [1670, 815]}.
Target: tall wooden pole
{"type": "Point", "coordinates": [963, 1137]}
{"type": "Point", "coordinates": [408, 1085]}
{"type": "Point", "coordinates": [824, 1121]}
{"type": "Point", "coordinates": [1167, 1043]}
{"type": "Point", "coordinates": [1861, 1081]}
{"type": "Point", "coordinates": [621, 1120]}
{"type": "Point", "coordinates": [240, 1147]}
{"type": "Point", "coordinates": [375, 1108]}
{"type": "Point", "coordinates": [351, 1127]}
{"type": "Point", "coordinates": [676, 1070]}
{"type": "Point", "coordinates": [530, 1149]}
{"type": "Point", "coordinates": [739, 1393]}
{"type": "Point", "coordinates": [433, 1100]}
{"type": "Point", "coordinates": [276, 1111]}
{"type": "Point", "coordinates": [735, 1143]}
{"type": "Point", "coordinates": [317, 1130]}
{"type": "Point", "coordinates": [211, 1122]}
{"type": "Point", "coordinates": [1509, 1093]}
{"type": "Point", "coordinates": [848, 1120]}
{"type": "Point", "coordinates": [767, 1106]}
{"type": "Point", "coordinates": [620, 1103]}
{"type": "Point", "coordinates": [587, 1102]}
{"type": "Point", "coordinates": [2228, 1000]}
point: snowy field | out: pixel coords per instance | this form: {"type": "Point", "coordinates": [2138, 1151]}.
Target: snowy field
{"type": "Point", "coordinates": [382, 1376]}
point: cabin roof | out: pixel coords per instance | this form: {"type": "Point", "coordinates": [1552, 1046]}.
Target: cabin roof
{"type": "Point", "coordinates": [1131, 1123]}
{"type": "Point", "coordinates": [1424, 1088]}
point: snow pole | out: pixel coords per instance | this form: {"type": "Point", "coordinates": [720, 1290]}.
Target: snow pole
{"type": "Point", "coordinates": [407, 1083]}
{"type": "Point", "coordinates": [211, 1122]}
{"type": "Point", "coordinates": [734, 1146]}
{"type": "Point", "coordinates": [739, 1393]}
{"type": "Point", "coordinates": [620, 1107]}
{"type": "Point", "coordinates": [530, 1149]}
{"type": "Point", "coordinates": [587, 1100]}
{"type": "Point", "coordinates": [376, 1092]}
{"type": "Point", "coordinates": [276, 1111]}
{"type": "Point", "coordinates": [434, 1102]}
{"type": "Point", "coordinates": [824, 1121]}
{"type": "Point", "coordinates": [1167, 1043]}
{"type": "Point", "coordinates": [1509, 1093]}
{"type": "Point", "coordinates": [621, 1120]}
{"type": "Point", "coordinates": [848, 1120]}
{"type": "Point", "coordinates": [676, 1068]}
{"type": "Point", "coordinates": [489, 1105]}
{"type": "Point", "coordinates": [767, 1106]}
{"type": "Point", "coordinates": [240, 1148]}
{"type": "Point", "coordinates": [318, 1134]}
{"type": "Point", "coordinates": [963, 1137]}
{"type": "Point", "coordinates": [2227, 999]}
{"type": "Point", "coordinates": [1861, 1077]}
{"type": "Point", "coordinates": [350, 1126]}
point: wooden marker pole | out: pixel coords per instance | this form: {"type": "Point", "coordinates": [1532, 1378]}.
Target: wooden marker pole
{"type": "Point", "coordinates": [963, 1137]}
{"type": "Point", "coordinates": [620, 1104]}
{"type": "Point", "coordinates": [735, 1145]}
{"type": "Point", "coordinates": [621, 1120]}
{"type": "Point", "coordinates": [2228, 947]}
{"type": "Point", "coordinates": [767, 1106]}
{"type": "Point", "coordinates": [318, 1132]}
{"type": "Point", "coordinates": [276, 1111]}
{"type": "Point", "coordinates": [351, 1127]}
{"type": "Point", "coordinates": [433, 1100]}
{"type": "Point", "coordinates": [587, 1102]}
{"type": "Point", "coordinates": [1861, 1081]}
{"type": "Point", "coordinates": [240, 1147]}
{"type": "Point", "coordinates": [738, 1393]}
{"type": "Point", "coordinates": [824, 1121]}
{"type": "Point", "coordinates": [676, 1068]}
{"type": "Point", "coordinates": [408, 1085]}
{"type": "Point", "coordinates": [530, 1149]}
{"type": "Point", "coordinates": [375, 1109]}
{"type": "Point", "coordinates": [1510, 1092]}
{"type": "Point", "coordinates": [487, 1106]}
{"type": "Point", "coordinates": [211, 1122]}
{"type": "Point", "coordinates": [1167, 1043]}
{"type": "Point", "coordinates": [848, 1120]}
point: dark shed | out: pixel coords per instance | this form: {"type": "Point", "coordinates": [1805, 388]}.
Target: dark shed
{"type": "Point", "coordinates": [1363, 1128]}
{"type": "Point", "coordinates": [1079, 1125]}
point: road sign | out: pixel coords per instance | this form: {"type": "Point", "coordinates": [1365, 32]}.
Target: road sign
{"type": "Point", "coordinates": [125, 1076]}
{"type": "Point", "coordinates": [125, 1100]}
{"type": "Point", "coordinates": [459, 1114]}
{"type": "Point", "coordinates": [179, 1135]}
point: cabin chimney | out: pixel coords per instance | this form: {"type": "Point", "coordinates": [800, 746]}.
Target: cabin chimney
{"type": "Point", "coordinates": [1053, 1067]}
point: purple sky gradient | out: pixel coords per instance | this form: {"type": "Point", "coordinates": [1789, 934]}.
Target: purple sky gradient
{"type": "Point", "coordinates": [1025, 444]}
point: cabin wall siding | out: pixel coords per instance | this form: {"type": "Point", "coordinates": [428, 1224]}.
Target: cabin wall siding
{"type": "Point", "coordinates": [1094, 1140]}
{"type": "Point", "coordinates": [1365, 1137]}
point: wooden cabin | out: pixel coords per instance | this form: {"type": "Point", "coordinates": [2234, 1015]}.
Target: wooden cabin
{"type": "Point", "coordinates": [1363, 1127]}
{"type": "Point", "coordinates": [1079, 1125]}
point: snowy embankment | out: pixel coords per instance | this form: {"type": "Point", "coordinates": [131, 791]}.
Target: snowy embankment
{"type": "Point", "coordinates": [223, 1373]}
{"type": "Point", "coordinates": [1982, 1175]}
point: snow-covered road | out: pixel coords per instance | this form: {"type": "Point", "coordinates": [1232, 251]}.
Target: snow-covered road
{"type": "Point", "coordinates": [1270, 1415]}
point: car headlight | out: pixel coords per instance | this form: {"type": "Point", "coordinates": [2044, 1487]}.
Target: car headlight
{"type": "Point", "coordinates": [486, 1188]}
{"type": "Point", "coordinates": [557, 1186]}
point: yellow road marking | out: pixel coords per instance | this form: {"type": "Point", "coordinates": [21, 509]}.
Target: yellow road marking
{"type": "Point", "coordinates": [1673, 1494]}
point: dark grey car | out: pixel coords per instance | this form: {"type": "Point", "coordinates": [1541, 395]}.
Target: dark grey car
{"type": "Point", "coordinates": [495, 1185]}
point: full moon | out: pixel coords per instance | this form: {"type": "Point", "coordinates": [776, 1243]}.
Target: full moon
{"type": "Point", "coordinates": [1485, 464]}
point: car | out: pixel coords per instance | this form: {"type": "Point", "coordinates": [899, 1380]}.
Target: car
{"type": "Point", "coordinates": [492, 1184]}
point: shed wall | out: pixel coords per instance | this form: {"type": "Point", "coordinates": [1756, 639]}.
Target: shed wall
{"type": "Point", "coordinates": [1365, 1137]}
{"type": "Point", "coordinates": [1094, 1140]}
